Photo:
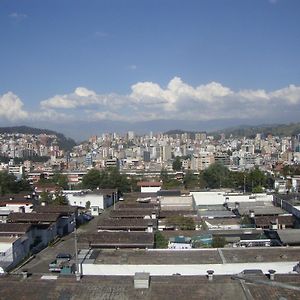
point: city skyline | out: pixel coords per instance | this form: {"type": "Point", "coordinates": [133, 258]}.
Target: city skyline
{"type": "Point", "coordinates": [151, 65]}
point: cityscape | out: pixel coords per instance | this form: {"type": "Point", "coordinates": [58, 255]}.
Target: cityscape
{"type": "Point", "coordinates": [150, 149]}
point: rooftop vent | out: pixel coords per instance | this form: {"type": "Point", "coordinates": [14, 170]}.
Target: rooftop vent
{"type": "Point", "coordinates": [141, 280]}
{"type": "Point", "coordinates": [210, 274]}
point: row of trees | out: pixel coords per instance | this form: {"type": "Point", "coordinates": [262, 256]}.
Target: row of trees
{"type": "Point", "coordinates": [10, 185]}
{"type": "Point", "coordinates": [106, 179]}
{"type": "Point", "coordinates": [219, 176]}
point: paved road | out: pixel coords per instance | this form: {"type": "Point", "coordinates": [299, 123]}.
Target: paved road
{"type": "Point", "coordinates": [66, 245]}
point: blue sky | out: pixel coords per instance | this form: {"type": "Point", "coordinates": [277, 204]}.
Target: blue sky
{"type": "Point", "coordinates": [140, 61]}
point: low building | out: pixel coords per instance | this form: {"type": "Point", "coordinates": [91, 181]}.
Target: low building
{"type": "Point", "coordinates": [137, 213]}
{"type": "Point", "coordinates": [132, 224]}
{"type": "Point", "coordinates": [274, 222]}
{"type": "Point", "coordinates": [68, 215]}
{"type": "Point", "coordinates": [177, 203]}
{"type": "Point", "coordinates": [96, 201]}
{"type": "Point", "coordinates": [13, 249]}
{"type": "Point", "coordinates": [149, 186]}
{"type": "Point", "coordinates": [117, 240]}
{"type": "Point", "coordinates": [126, 262]}
{"type": "Point", "coordinates": [180, 242]}
{"type": "Point", "coordinates": [44, 225]}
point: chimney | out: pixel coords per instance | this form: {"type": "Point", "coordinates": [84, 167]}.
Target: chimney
{"type": "Point", "coordinates": [210, 274]}
{"type": "Point", "coordinates": [237, 205]}
{"type": "Point", "coordinates": [153, 216]}
{"type": "Point", "coordinates": [272, 274]}
{"type": "Point", "coordinates": [25, 274]}
{"type": "Point", "coordinates": [150, 228]}
{"type": "Point", "coordinates": [252, 214]}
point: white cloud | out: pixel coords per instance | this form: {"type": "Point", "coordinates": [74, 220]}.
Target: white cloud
{"type": "Point", "coordinates": [133, 67]}
{"type": "Point", "coordinates": [11, 107]}
{"type": "Point", "coordinates": [179, 100]}
{"type": "Point", "coordinates": [17, 16]}
{"type": "Point", "coordinates": [148, 101]}
{"type": "Point", "coordinates": [100, 34]}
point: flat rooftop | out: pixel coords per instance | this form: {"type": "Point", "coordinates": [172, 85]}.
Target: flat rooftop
{"type": "Point", "coordinates": [206, 256]}
{"type": "Point", "coordinates": [136, 257]}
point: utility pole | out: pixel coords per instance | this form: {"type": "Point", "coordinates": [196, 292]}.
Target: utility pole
{"type": "Point", "coordinates": [77, 272]}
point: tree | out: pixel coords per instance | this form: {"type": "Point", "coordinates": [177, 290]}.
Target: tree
{"type": "Point", "coordinates": [160, 240]}
{"type": "Point", "coordinates": [45, 197]}
{"type": "Point", "coordinates": [59, 199]}
{"type": "Point", "coordinates": [255, 180]}
{"type": "Point", "coordinates": [10, 185]}
{"type": "Point", "coordinates": [190, 180]}
{"type": "Point", "coordinates": [164, 176]}
{"type": "Point", "coordinates": [91, 180]}
{"type": "Point", "coordinates": [216, 176]}
{"type": "Point", "coordinates": [218, 242]}
{"type": "Point", "coordinates": [108, 179]}
{"type": "Point", "coordinates": [61, 180]}
{"type": "Point", "coordinates": [181, 222]}
{"type": "Point", "coordinates": [177, 164]}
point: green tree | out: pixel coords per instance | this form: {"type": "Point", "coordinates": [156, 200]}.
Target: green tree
{"type": "Point", "coordinates": [255, 179]}
{"type": "Point", "coordinates": [45, 197]}
{"type": "Point", "coordinates": [59, 199]}
{"type": "Point", "coordinates": [160, 241]}
{"type": "Point", "coordinates": [218, 242]}
{"type": "Point", "coordinates": [164, 176]}
{"type": "Point", "coordinates": [177, 164]}
{"type": "Point", "coordinates": [10, 185]}
{"type": "Point", "coordinates": [216, 176]}
{"type": "Point", "coordinates": [190, 180]}
{"type": "Point", "coordinates": [92, 179]}
{"type": "Point", "coordinates": [181, 222]}
{"type": "Point", "coordinates": [61, 180]}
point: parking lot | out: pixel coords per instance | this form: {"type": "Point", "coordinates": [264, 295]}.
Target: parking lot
{"type": "Point", "coordinates": [66, 244]}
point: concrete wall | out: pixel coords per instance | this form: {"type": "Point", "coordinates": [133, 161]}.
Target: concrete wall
{"type": "Point", "coordinates": [218, 198]}
{"type": "Point", "coordinates": [81, 200]}
{"type": "Point", "coordinates": [196, 269]}
{"type": "Point", "coordinates": [150, 189]}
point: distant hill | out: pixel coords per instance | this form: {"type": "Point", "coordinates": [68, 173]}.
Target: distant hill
{"type": "Point", "coordinates": [179, 131]}
{"type": "Point", "coordinates": [64, 143]}
{"type": "Point", "coordinates": [250, 131]}
{"type": "Point", "coordinates": [281, 130]}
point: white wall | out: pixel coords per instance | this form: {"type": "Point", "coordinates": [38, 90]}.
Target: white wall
{"type": "Point", "coordinates": [95, 200]}
{"type": "Point", "coordinates": [218, 198]}
{"type": "Point", "coordinates": [16, 207]}
{"type": "Point", "coordinates": [150, 189]}
{"type": "Point", "coordinates": [196, 269]}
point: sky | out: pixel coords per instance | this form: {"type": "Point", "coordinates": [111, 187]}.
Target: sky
{"type": "Point", "coordinates": [85, 67]}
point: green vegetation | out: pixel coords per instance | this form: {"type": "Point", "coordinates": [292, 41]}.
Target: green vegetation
{"type": "Point", "coordinates": [110, 178]}
{"type": "Point", "coordinates": [63, 142]}
{"type": "Point", "coordinates": [250, 131]}
{"type": "Point", "coordinates": [169, 182]}
{"type": "Point", "coordinates": [190, 180]}
{"type": "Point", "coordinates": [60, 180]}
{"type": "Point", "coordinates": [180, 222]}
{"type": "Point", "coordinates": [218, 242]}
{"type": "Point", "coordinates": [177, 164]}
{"type": "Point", "coordinates": [55, 199]}
{"type": "Point", "coordinates": [160, 241]}
{"type": "Point", "coordinates": [217, 175]}
{"type": "Point", "coordinates": [10, 185]}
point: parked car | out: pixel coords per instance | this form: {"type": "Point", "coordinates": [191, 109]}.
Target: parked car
{"type": "Point", "coordinates": [64, 256]}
